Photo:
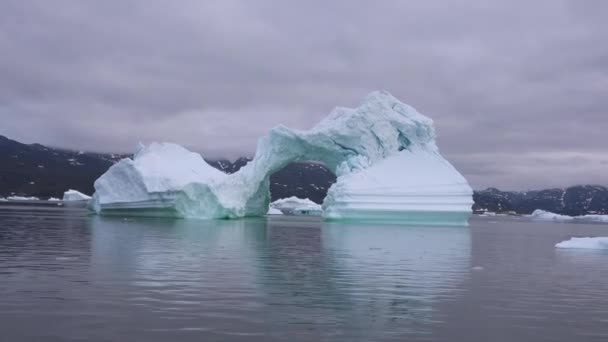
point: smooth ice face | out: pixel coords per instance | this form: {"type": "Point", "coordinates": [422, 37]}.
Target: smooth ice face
{"type": "Point", "coordinates": [383, 153]}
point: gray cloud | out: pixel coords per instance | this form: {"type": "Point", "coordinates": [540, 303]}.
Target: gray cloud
{"type": "Point", "coordinates": [517, 89]}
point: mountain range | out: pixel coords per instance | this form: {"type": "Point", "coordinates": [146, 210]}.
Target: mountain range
{"type": "Point", "coordinates": [41, 171]}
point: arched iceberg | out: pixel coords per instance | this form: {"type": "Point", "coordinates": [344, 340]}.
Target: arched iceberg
{"type": "Point", "coordinates": [383, 154]}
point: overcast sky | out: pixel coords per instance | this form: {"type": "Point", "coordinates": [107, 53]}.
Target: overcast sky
{"type": "Point", "coordinates": [518, 89]}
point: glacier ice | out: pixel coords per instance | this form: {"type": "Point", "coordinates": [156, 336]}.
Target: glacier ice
{"type": "Point", "coordinates": [22, 198]}
{"type": "Point", "coordinates": [584, 243]}
{"type": "Point", "coordinates": [297, 206]}
{"type": "Point", "coordinates": [383, 154]}
{"type": "Point", "coordinates": [74, 195]}
{"type": "Point", "coordinates": [274, 211]}
{"type": "Point", "coordinates": [541, 215]}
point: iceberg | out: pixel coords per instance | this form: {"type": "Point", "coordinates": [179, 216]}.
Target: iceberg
{"type": "Point", "coordinates": [383, 153]}
{"type": "Point", "coordinates": [297, 206]}
{"type": "Point", "coordinates": [593, 218]}
{"type": "Point", "coordinates": [584, 243]}
{"type": "Point", "coordinates": [54, 199]}
{"type": "Point", "coordinates": [22, 198]}
{"type": "Point", "coordinates": [274, 211]}
{"type": "Point", "coordinates": [74, 195]}
{"type": "Point", "coordinates": [541, 215]}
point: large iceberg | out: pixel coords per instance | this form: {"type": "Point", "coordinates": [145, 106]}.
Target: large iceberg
{"type": "Point", "coordinates": [383, 154]}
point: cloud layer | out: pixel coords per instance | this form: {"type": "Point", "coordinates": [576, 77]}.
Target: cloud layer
{"type": "Point", "coordinates": [517, 88]}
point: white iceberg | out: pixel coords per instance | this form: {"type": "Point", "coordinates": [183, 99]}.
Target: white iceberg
{"type": "Point", "coordinates": [22, 198]}
{"type": "Point", "coordinates": [383, 154]}
{"type": "Point", "coordinates": [584, 243]}
{"type": "Point", "coordinates": [274, 211]}
{"type": "Point", "coordinates": [2, 199]}
{"type": "Point", "coordinates": [593, 218]}
{"type": "Point", "coordinates": [297, 206]}
{"type": "Point", "coordinates": [74, 195]}
{"type": "Point", "coordinates": [541, 215]}
{"type": "Point", "coordinates": [54, 199]}
{"type": "Point", "coordinates": [150, 183]}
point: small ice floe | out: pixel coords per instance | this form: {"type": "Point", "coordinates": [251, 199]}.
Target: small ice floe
{"type": "Point", "coordinates": [584, 243]}
{"type": "Point", "coordinates": [22, 198]}
{"type": "Point", "coordinates": [541, 215]}
{"type": "Point", "coordinates": [274, 211]}
{"type": "Point", "coordinates": [74, 195]}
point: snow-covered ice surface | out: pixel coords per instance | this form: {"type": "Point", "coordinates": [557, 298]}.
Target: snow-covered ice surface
{"type": "Point", "coordinates": [383, 153]}
{"type": "Point", "coordinates": [584, 243]}
{"type": "Point", "coordinates": [74, 195]}
{"type": "Point", "coordinates": [541, 215]}
{"type": "Point", "coordinates": [297, 206]}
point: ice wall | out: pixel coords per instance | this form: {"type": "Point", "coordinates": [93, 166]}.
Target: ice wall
{"type": "Point", "coordinates": [383, 153]}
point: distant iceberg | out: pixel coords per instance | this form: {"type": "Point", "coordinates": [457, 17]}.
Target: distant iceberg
{"type": "Point", "coordinates": [274, 211]}
{"type": "Point", "coordinates": [297, 206]}
{"type": "Point", "coordinates": [22, 198]}
{"type": "Point", "coordinates": [74, 195]}
{"type": "Point", "coordinates": [584, 243]}
{"type": "Point", "coordinates": [541, 215]}
{"type": "Point", "coordinates": [383, 153]}
{"type": "Point", "coordinates": [54, 199]}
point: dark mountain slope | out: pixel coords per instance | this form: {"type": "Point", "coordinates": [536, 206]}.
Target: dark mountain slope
{"type": "Point", "coordinates": [36, 170]}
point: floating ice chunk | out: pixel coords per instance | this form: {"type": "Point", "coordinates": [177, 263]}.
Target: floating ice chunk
{"type": "Point", "coordinates": [297, 206]}
{"type": "Point", "coordinates": [74, 195]}
{"type": "Point", "coordinates": [584, 243]}
{"type": "Point", "coordinates": [22, 198]}
{"type": "Point", "coordinates": [274, 211]}
{"type": "Point", "coordinates": [542, 215]}
{"type": "Point", "coordinates": [53, 199]}
{"type": "Point", "coordinates": [593, 218]}
{"type": "Point", "coordinates": [383, 153]}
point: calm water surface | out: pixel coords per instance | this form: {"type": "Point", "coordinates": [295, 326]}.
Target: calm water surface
{"type": "Point", "coordinates": [67, 276]}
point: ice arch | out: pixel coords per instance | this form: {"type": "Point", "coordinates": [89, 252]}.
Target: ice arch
{"type": "Point", "coordinates": [383, 154]}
